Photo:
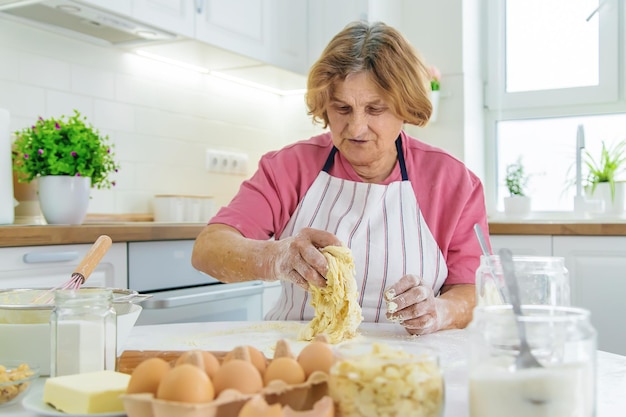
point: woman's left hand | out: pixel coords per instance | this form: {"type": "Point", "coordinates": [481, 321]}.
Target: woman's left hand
{"type": "Point", "coordinates": [413, 304]}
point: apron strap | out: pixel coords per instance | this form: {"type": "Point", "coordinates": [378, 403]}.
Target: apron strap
{"type": "Point", "coordinates": [405, 177]}
{"type": "Point", "coordinates": [330, 160]}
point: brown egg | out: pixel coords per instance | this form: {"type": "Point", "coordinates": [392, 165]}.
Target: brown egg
{"type": "Point", "coordinates": [147, 376]}
{"type": "Point", "coordinates": [186, 383]}
{"type": "Point", "coordinates": [209, 361]}
{"type": "Point", "coordinates": [258, 407]}
{"type": "Point", "coordinates": [240, 375]}
{"type": "Point", "coordinates": [316, 356]}
{"type": "Point", "coordinates": [285, 369]}
{"type": "Point", "coordinates": [256, 356]}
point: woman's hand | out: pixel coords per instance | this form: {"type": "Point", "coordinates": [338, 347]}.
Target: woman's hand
{"type": "Point", "coordinates": [413, 304]}
{"type": "Point", "coordinates": [298, 259]}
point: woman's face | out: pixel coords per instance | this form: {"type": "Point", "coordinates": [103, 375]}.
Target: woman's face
{"type": "Point", "coordinates": [363, 127]}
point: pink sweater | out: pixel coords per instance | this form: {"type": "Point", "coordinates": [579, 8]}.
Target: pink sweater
{"type": "Point", "coordinates": [449, 196]}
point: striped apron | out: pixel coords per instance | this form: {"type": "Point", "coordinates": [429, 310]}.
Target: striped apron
{"type": "Point", "coordinates": [381, 224]}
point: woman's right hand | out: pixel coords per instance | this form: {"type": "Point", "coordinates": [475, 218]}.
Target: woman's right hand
{"type": "Point", "coordinates": [298, 259]}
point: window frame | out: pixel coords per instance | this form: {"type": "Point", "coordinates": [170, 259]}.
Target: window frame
{"type": "Point", "coordinates": [608, 97]}
{"type": "Point", "coordinates": [609, 56]}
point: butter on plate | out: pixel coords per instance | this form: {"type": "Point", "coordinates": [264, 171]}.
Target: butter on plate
{"type": "Point", "coordinates": [87, 393]}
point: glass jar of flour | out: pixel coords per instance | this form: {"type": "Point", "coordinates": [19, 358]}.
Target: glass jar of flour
{"type": "Point", "coordinates": [83, 332]}
{"type": "Point", "coordinates": [563, 341]}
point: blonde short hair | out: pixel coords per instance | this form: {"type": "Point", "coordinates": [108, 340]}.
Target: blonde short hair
{"type": "Point", "coordinates": [390, 60]}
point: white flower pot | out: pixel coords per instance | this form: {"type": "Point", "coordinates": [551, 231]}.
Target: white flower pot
{"type": "Point", "coordinates": [517, 206]}
{"type": "Point", "coordinates": [612, 206]}
{"type": "Point", "coordinates": [434, 100]}
{"type": "Point", "coordinates": [64, 199]}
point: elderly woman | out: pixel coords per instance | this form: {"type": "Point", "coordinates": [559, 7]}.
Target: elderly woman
{"type": "Point", "coordinates": [404, 208]}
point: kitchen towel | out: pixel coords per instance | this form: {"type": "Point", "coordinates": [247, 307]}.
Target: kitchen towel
{"type": "Point", "coordinates": [7, 212]}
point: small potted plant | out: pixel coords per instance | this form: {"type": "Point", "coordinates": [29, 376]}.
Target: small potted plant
{"type": "Point", "coordinates": [435, 86]}
{"type": "Point", "coordinates": [68, 157]}
{"type": "Point", "coordinates": [517, 203]}
{"type": "Point", "coordinates": [601, 180]}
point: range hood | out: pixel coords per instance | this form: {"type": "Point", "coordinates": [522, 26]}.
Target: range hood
{"type": "Point", "coordinates": [78, 19]}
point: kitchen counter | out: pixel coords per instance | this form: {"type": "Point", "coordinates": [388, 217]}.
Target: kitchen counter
{"type": "Point", "coordinates": [451, 344]}
{"type": "Point", "coordinates": [558, 228]}
{"type": "Point", "coordinates": [131, 231]}
{"type": "Point", "coordinates": [36, 235]}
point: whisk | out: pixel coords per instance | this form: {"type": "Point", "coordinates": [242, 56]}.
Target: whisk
{"type": "Point", "coordinates": [82, 271]}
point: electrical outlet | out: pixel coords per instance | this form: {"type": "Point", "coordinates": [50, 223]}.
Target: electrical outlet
{"type": "Point", "coordinates": [226, 162]}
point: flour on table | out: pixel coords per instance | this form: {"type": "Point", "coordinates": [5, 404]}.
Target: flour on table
{"type": "Point", "coordinates": [337, 311]}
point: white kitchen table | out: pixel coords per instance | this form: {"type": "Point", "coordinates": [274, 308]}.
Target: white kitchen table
{"type": "Point", "coordinates": [452, 346]}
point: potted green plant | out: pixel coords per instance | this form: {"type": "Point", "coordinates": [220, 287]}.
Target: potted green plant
{"type": "Point", "coordinates": [517, 203]}
{"type": "Point", "coordinates": [601, 180]}
{"type": "Point", "coordinates": [69, 155]}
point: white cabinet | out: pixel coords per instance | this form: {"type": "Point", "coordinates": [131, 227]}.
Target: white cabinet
{"type": "Point", "coordinates": [177, 16]}
{"type": "Point", "coordinates": [272, 31]}
{"type": "Point", "coordinates": [49, 266]}
{"type": "Point", "coordinates": [597, 267]}
{"type": "Point", "coordinates": [523, 245]}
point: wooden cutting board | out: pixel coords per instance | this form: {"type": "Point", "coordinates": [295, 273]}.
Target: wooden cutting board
{"type": "Point", "coordinates": [129, 359]}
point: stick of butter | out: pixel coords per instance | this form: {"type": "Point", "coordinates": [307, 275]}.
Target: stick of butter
{"type": "Point", "coordinates": [87, 393]}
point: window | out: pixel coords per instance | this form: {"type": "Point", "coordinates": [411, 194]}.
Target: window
{"type": "Point", "coordinates": [551, 65]}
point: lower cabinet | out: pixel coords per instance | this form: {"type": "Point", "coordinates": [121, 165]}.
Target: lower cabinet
{"type": "Point", "coordinates": [523, 245]}
{"type": "Point", "coordinates": [597, 270]}
{"type": "Point", "coordinates": [597, 267]}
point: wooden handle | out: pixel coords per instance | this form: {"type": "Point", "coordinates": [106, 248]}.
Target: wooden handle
{"type": "Point", "coordinates": [93, 257]}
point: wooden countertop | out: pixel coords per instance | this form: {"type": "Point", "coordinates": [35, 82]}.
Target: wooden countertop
{"type": "Point", "coordinates": [135, 231]}
{"type": "Point", "coordinates": [558, 228]}
{"type": "Point", "coordinates": [36, 235]}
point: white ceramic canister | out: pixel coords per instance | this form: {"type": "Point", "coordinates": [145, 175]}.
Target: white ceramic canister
{"type": "Point", "coordinates": [7, 207]}
{"type": "Point", "coordinates": [563, 341]}
{"type": "Point", "coordinates": [169, 208]}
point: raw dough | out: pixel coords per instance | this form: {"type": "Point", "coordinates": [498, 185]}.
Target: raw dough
{"type": "Point", "coordinates": [337, 310]}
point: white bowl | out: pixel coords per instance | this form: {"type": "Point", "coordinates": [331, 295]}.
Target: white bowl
{"type": "Point", "coordinates": [31, 342]}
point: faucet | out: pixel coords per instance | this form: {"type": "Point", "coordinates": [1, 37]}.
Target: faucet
{"type": "Point", "coordinates": [579, 199]}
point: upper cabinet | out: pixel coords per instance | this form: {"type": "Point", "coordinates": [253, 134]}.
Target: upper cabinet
{"type": "Point", "coordinates": [271, 31]}
{"type": "Point", "coordinates": [289, 34]}
{"type": "Point", "coordinates": [177, 16]}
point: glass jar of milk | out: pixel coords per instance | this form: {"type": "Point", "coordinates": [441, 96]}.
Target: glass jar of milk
{"type": "Point", "coordinates": [83, 331]}
{"type": "Point", "coordinates": [541, 280]}
{"type": "Point", "coordinates": [563, 341]}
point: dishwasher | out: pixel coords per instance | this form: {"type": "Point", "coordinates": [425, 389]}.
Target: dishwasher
{"type": "Point", "coordinates": [181, 294]}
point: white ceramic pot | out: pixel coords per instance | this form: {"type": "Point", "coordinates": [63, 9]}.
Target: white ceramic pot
{"type": "Point", "coordinates": [434, 100]}
{"type": "Point", "coordinates": [612, 206]}
{"type": "Point", "coordinates": [64, 199]}
{"type": "Point", "coordinates": [516, 206]}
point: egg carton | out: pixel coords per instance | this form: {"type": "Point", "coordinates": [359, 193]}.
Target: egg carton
{"type": "Point", "coordinates": [307, 399]}
{"type": "Point", "coordinates": [300, 397]}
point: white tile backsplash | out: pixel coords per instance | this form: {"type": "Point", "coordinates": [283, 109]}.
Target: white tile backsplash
{"type": "Point", "coordinates": [161, 119]}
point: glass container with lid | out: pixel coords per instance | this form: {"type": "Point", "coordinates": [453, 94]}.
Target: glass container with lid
{"type": "Point", "coordinates": [82, 332]}
{"type": "Point", "coordinates": [563, 341]}
{"type": "Point", "coordinates": [541, 280]}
